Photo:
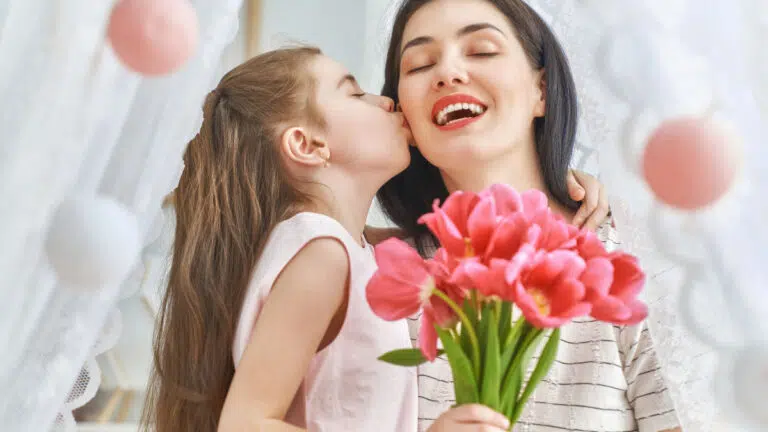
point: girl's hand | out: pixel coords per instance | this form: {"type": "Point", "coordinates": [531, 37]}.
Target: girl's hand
{"type": "Point", "coordinates": [590, 192]}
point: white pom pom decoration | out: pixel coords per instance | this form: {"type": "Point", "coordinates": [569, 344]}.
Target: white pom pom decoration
{"type": "Point", "coordinates": [92, 242]}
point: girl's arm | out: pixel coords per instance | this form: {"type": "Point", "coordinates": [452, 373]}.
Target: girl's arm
{"type": "Point", "coordinates": [302, 315]}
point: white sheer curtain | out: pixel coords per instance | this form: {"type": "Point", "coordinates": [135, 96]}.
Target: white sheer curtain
{"type": "Point", "coordinates": [637, 64]}
{"type": "Point", "coordinates": [75, 122]}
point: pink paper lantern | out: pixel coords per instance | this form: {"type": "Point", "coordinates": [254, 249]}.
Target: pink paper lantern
{"type": "Point", "coordinates": [689, 163]}
{"type": "Point", "coordinates": [153, 37]}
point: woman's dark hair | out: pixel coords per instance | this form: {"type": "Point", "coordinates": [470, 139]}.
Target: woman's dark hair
{"type": "Point", "coordinates": [410, 194]}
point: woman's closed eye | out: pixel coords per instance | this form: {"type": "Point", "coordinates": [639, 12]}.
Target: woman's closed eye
{"type": "Point", "coordinates": [483, 47]}
{"type": "Point", "coordinates": [419, 69]}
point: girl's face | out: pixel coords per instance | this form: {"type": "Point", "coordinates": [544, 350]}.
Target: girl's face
{"type": "Point", "coordinates": [363, 131]}
{"type": "Point", "coordinates": [466, 86]}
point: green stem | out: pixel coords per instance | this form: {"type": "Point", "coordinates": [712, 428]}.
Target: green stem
{"type": "Point", "coordinates": [515, 332]}
{"type": "Point", "coordinates": [520, 352]}
{"type": "Point", "coordinates": [466, 323]}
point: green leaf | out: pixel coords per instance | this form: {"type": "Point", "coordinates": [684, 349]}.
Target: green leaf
{"type": "Point", "coordinates": [482, 329]}
{"type": "Point", "coordinates": [505, 320]}
{"type": "Point", "coordinates": [518, 367]}
{"type": "Point", "coordinates": [464, 382]}
{"type": "Point", "coordinates": [469, 309]}
{"type": "Point", "coordinates": [509, 387]}
{"type": "Point", "coordinates": [405, 357]}
{"type": "Point", "coordinates": [510, 392]}
{"type": "Point", "coordinates": [546, 360]}
{"type": "Point", "coordinates": [464, 339]}
{"type": "Point", "coordinates": [489, 395]}
{"type": "Point", "coordinates": [516, 338]}
{"type": "Point", "coordinates": [518, 332]}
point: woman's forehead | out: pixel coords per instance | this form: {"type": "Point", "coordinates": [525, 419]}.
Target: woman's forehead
{"type": "Point", "coordinates": [442, 18]}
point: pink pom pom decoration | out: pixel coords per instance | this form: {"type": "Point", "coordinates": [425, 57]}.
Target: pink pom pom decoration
{"type": "Point", "coordinates": [690, 163]}
{"type": "Point", "coordinates": [153, 37]}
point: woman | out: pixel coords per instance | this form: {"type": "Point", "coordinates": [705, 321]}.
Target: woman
{"type": "Point", "coordinates": [489, 96]}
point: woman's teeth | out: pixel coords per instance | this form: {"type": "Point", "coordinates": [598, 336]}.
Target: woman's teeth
{"type": "Point", "coordinates": [458, 111]}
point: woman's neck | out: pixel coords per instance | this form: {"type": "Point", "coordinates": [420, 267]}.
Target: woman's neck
{"type": "Point", "coordinates": [519, 169]}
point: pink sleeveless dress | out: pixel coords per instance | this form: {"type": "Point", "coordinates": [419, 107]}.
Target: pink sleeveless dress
{"type": "Point", "coordinates": [346, 388]}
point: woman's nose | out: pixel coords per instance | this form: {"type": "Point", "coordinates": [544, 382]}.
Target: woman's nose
{"type": "Point", "coordinates": [449, 74]}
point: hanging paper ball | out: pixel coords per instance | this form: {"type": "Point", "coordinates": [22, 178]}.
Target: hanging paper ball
{"type": "Point", "coordinates": [153, 37]}
{"type": "Point", "coordinates": [689, 163]}
{"type": "Point", "coordinates": [92, 242]}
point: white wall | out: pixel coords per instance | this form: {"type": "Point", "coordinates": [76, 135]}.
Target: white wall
{"type": "Point", "coordinates": [335, 26]}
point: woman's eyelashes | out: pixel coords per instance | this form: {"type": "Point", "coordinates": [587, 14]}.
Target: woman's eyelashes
{"type": "Point", "coordinates": [476, 55]}
{"type": "Point", "coordinates": [484, 54]}
{"type": "Point", "coordinates": [420, 68]}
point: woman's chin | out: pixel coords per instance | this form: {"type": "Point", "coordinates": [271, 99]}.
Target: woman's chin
{"type": "Point", "coordinates": [462, 152]}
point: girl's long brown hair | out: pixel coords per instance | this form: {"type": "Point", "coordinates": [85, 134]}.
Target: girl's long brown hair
{"type": "Point", "coordinates": [233, 191]}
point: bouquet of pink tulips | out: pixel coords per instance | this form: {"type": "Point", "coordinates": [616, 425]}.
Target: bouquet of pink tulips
{"type": "Point", "coordinates": [502, 255]}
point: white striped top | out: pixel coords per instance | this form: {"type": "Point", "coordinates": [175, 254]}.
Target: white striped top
{"type": "Point", "coordinates": [605, 378]}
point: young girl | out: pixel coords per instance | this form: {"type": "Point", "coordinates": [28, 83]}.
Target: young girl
{"type": "Point", "coordinates": [264, 325]}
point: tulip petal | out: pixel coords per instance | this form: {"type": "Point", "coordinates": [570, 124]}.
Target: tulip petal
{"type": "Point", "coordinates": [639, 313]}
{"type": "Point", "coordinates": [598, 277]}
{"type": "Point", "coordinates": [629, 279]}
{"type": "Point", "coordinates": [589, 245]}
{"type": "Point", "coordinates": [428, 337]}
{"type": "Point", "coordinates": [566, 294]}
{"type": "Point", "coordinates": [400, 261]}
{"type": "Point", "coordinates": [510, 233]}
{"type": "Point", "coordinates": [446, 231]}
{"type": "Point", "coordinates": [534, 201]}
{"type": "Point", "coordinates": [507, 199]}
{"type": "Point", "coordinates": [481, 225]}
{"type": "Point", "coordinates": [612, 310]}
{"type": "Point", "coordinates": [523, 258]}
{"type": "Point", "coordinates": [458, 206]}
{"type": "Point", "coordinates": [392, 300]}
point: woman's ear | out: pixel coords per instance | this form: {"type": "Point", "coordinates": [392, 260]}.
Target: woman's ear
{"type": "Point", "coordinates": [540, 104]}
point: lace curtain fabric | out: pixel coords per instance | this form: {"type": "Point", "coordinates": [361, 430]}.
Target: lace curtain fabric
{"type": "Point", "coordinates": [76, 123]}
{"type": "Point", "coordinates": [637, 64]}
